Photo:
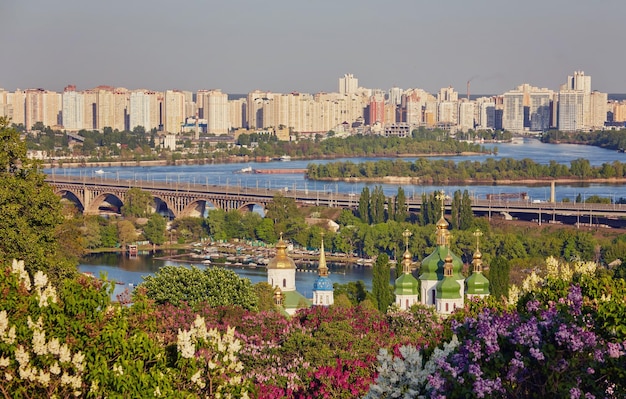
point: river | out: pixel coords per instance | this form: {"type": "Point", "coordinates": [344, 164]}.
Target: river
{"type": "Point", "coordinates": [226, 174]}
{"type": "Point", "coordinates": [130, 271]}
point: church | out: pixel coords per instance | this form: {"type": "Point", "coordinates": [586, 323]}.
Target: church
{"type": "Point", "coordinates": [440, 283]}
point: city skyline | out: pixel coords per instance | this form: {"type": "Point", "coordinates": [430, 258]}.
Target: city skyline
{"type": "Point", "coordinates": [283, 46]}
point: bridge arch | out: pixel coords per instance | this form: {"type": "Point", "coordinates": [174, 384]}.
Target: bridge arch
{"type": "Point", "coordinates": [198, 207]}
{"type": "Point", "coordinates": [72, 197]}
{"type": "Point", "coordinates": [163, 206]}
{"type": "Point", "coordinates": [251, 205]}
{"type": "Point", "coordinates": [105, 202]}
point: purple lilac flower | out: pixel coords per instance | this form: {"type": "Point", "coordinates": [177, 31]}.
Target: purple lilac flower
{"type": "Point", "coordinates": [537, 354]}
{"type": "Point", "coordinates": [575, 300]}
{"type": "Point", "coordinates": [614, 350]}
{"type": "Point", "coordinates": [574, 393]}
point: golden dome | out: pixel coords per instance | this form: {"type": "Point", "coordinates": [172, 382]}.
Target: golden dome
{"type": "Point", "coordinates": [281, 260]}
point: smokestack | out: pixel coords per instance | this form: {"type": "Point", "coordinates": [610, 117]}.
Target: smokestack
{"type": "Point", "coordinates": [468, 89]}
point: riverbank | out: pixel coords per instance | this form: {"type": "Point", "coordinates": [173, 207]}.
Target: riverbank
{"type": "Point", "coordinates": [231, 159]}
{"type": "Point", "coordinates": [470, 182]}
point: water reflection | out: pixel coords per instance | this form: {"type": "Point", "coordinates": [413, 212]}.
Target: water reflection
{"type": "Point", "coordinates": [129, 272]}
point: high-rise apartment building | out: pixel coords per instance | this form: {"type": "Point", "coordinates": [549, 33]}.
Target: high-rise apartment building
{"type": "Point", "coordinates": [539, 109]}
{"type": "Point", "coordinates": [348, 84]}
{"type": "Point", "coordinates": [173, 111]}
{"type": "Point", "coordinates": [513, 111]}
{"type": "Point", "coordinates": [217, 112]}
{"type": "Point", "coordinates": [466, 115]}
{"type": "Point", "coordinates": [598, 110]}
{"type": "Point", "coordinates": [395, 95]}
{"type": "Point", "coordinates": [42, 106]}
{"type": "Point", "coordinates": [376, 109]}
{"type": "Point", "coordinates": [73, 109]}
{"type": "Point", "coordinates": [485, 113]}
{"type": "Point", "coordinates": [570, 110]}
{"type": "Point", "coordinates": [143, 109]}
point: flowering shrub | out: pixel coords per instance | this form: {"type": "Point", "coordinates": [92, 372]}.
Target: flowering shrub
{"type": "Point", "coordinates": [547, 349]}
{"type": "Point", "coordinates": [209, 360]}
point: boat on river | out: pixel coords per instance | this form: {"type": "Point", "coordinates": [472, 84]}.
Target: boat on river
{"type": "Point", "coordinates": [245, 170]}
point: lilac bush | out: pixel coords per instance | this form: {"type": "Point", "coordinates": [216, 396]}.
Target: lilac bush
{"type": "Point", "coordinates": [545, 349]}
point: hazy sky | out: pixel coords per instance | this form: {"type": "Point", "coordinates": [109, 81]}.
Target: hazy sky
{"type": "Point", "coordinates": [307, 45]}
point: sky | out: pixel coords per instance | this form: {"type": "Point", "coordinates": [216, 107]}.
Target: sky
{"type": "Point", "coordinates": [305, 46]}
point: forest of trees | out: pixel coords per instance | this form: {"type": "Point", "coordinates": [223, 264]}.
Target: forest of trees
{"type": "Point", "coordinates": [439, 171]}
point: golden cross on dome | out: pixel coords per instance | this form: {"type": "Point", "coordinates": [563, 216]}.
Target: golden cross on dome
{"type": "Point", "coordinates": [406, 234]}
{"type": "Point", "coordinates": [441, 196]}
{"type": "Point", "coordinates": [477, 234]}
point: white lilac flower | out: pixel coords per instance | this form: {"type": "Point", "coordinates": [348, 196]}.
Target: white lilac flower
{"type": "Point", "coordinates": [185, 345]}
{"type": "Point", "coordinates": [64, 354]}
{"type": "Point", "coordinates": [18, 268]}
{"type": "Point", "coordinates": [77, 361]}
{"type": "Point", "coordinates": [55, 369]}
{"type": "Point", "coordinates": [4, 362]}
{"type": "Point", "coordinates": [40, 279]}
{"type": "Point", "coordinates": [39, 342]}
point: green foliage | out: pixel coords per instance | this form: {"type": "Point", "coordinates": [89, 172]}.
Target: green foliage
{"type": "Point", "coordinates": [154, 230]}
{"type": "Point", "coordinates": [364, 205]}
{"type": "Point", "coordinates": [381, 289]}
{"type": "Point", "coordinates": [214, 286]}
{"type": "Point", "coordinates": [499, 277]}
{"type": "Point", "coordinates": [444, 171]}
{"type": "Point", "coordinates": [137, 203]}
{"type": "Point", "coordinates": [30, 212]}
{"type": "Point", "coordinates": [354, 291]}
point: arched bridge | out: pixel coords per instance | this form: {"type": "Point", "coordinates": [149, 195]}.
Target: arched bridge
{"type": "Point", "coordinates": [98, 195]}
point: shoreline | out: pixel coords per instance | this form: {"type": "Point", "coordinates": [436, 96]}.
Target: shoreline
{"type": "Point", "coordinates": [474, 182]}
{"type": "Point", "coordinates": [231, 159]}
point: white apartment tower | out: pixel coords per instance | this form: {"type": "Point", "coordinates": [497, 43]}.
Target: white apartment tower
{"type": "Point", "coordinates": [216, 112]}
{"type": "Point", "coordinates": [466, 115]}
{"type": "Point", "coordinates": [513, 112]}
{"type": "Point", "coordinates": [174, 111]}
{"type": "Point", "coordinates": [486, 113]}
{"type": "Point", "coordinates": [73, 110]}
{"type": "Point", "coordinates": [395, 95]}
{"type": "Point", "coordinates": [348, 84]}
{"type": "Point", "coordinates": [143, 110]}
{"type": "Point", "coordinates": [571, 110]}
{"type": "Point", "coordinates": [539, 110]}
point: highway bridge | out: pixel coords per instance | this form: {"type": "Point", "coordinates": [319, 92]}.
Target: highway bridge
{"type": "Point", "coordinates": [95, 195]}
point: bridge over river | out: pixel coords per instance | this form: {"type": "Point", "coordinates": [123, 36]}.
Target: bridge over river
{"type": "Point", "coordinates": [95, 195]}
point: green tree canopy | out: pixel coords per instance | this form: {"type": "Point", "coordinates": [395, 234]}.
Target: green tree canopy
{"type": "Point", "coordinates": [30, 212]}
{"type": "Point", "coordinates": [214, 286]}
{"type": "Point", "coordinates": [381, 289]}
{"type": "Point", "coordinates": [137, 203]}
{"type": "Point", "coordinates": [154, 230]}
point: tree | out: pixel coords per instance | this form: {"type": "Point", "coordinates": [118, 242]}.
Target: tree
{"type": "Point", "coordinates": [126, 232]}
{"type": "Point", "coordinates": [137, 203]}
{"type": "Point", "coordinates": [401, 212]}
{"type": "Point", "coordinates": [377, 205]}
{"type": "Point", "coordinates": [354, 291]}
{"type": "Point", "coordinates": [364, 205]}
{"type": "Point", "coordinates": [466, 215]}
{"type": "Point", "coordinates": [30, 212]}
{"type": "Point", "coordinates": [214, 286]}
{"type": "Point", "coordinates": [381, 289]}
{"type": "Point", "coordinates": [499, 277]}
{"type": "Point", "coordinates": [154, 230]}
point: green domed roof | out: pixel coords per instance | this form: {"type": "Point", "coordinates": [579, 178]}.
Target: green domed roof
{"type": "Point", "coordinates": [477, 284]}
{"type": "Point", "coordinates": [432, 265]}
{"type": "Point", "coordinates": [448, 288]}
{"type": "Point", "coordinates": [406, 284]}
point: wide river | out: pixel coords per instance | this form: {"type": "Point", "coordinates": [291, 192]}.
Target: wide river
{"type": "Point", "coordinates": [130, 271]}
